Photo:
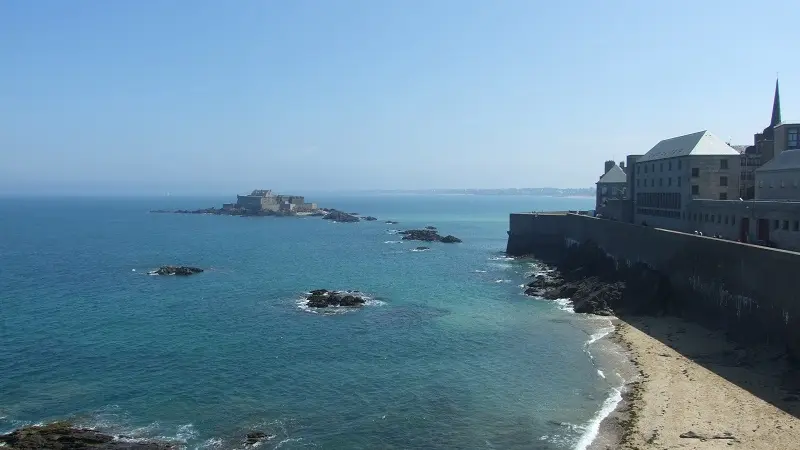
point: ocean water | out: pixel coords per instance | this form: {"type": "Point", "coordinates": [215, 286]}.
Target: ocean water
{"type": "Point", "coordinates": [447, 354]}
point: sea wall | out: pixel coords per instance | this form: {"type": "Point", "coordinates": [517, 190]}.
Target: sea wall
{"type": "Point", "coordinates": [748, 290]}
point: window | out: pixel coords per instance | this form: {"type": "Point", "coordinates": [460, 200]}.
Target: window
{"type": "Point", "coordinates": [723, 164]}
{"type": "Point", "coordinates": [669, 181]}
{"type": "Point", "coordinates": [719, 219]}
{"type": "Point", "coordinates": [733, 220]}
{"type": "Point", "coordinates": [791, 137]}
{"type": "Point", "coordinates": [796, 225]}
{"type": "Point", "coordinates": [645, 168]}
{"type": "Point", "coordinates": [669, 165]}
{"type": "Point", "coordinates": [723, 195]}
{"type": "Point", "coordinates": [723, 181]}
{"type": "Point", "coordinates": [695, 189]}
{"type": "Point", "coordinates": [653, 182]}
{"type": "Point", "coordinates": [679, 181]}
{"type": "Point", "coordinates": [695, 172]}
{"type": "Point", "coordinates": [776, 224]}
{"type": "Point", "coordinates": [785, 224]}
{"type": "Point", "coordinates": [679, 164]}
{"type": "Point", "coordinates": [637, 182]}
{"type": "Point", "coordinates": [705, 217]}
{"type": "Point", "coordinates": [637, 168]}
{"type": "Point", "coordinates": [660, 181]}
{"type": "Point", "coordinates": [661, 167]}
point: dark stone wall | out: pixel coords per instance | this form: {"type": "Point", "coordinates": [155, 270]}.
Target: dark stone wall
{"type": "Point", "coordinates": [749, 291]}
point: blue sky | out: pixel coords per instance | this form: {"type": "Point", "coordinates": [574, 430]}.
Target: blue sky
{"type": "Point", "coordinates": [219, 97]}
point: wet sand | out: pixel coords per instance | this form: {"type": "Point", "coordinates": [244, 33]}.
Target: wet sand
{"type": "Point", "coordinates": [693, 389]}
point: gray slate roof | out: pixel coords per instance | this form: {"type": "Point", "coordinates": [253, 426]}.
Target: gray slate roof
{"type": "Point", "coordinates": [614, 175]}
{"type": "Point", "coordinates": [700, 143]}
{"type": "Point", "coordinates": [785, 160]}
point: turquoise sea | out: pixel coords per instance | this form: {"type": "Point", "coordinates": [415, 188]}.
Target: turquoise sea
{"type": "Point", "coordinates": [448, 354]}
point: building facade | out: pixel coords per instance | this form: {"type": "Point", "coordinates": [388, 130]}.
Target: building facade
{"type": "Point", "coordinates": [779, 179]}
{"type": "Point", "coordinates": [261, 200]}
{"type": "Point", "coordinates": [612, 185]}
{"type": "Point", "coordinates": [681, 169]}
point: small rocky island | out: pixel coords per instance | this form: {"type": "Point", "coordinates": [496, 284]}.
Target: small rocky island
{"type": "Point", "coordinates": [63, 436]}
{"type": "Point", "coordinates": [428, 235]}
{"type": "Point", "coordinates": [176, 270]}
{"type": "Point", "coordinates": [260, 202]}
{"type": "Point", "coordinates": [323, 298]}
{"type": "Point", "coordinates": [339, 216]}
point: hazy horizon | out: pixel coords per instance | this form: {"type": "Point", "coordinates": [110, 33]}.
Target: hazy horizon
{"type": "Point", "coordinates": [309, 193]}
{"type": "Point", "coordinates": [200, 97]}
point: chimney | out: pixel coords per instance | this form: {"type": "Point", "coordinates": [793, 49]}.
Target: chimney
{"type": "Point", "coordinates": [622, 165]}
{"type": "Point", "coordinates": [609, 165]}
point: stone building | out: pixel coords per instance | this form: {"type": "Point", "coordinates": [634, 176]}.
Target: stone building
{"type": "Point", "coordinates": [776, 138]}
{"type": "Point", "coordinates": [779, 179]}
{"type": "Point", "coordinates": [261, 200]}
{"type": "Point", "coordinates": [681, 169]}
{"type": "Point", "coordinates": [612, 185]}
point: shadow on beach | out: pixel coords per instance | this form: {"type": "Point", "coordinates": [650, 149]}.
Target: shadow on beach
{"type": "Point", "coordinates": [764, 371]}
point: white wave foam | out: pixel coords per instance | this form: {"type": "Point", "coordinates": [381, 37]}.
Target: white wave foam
{"type": "Point", "coordinates": [392, 231]}
{"type": "Point", "coordinates": [564, 304]}
{"type": "Point", "coordinates": [212, 443]}
{"type": "Point", "coordinates": [479, 271]}
{"type": "Point", "coordinates": [600, 372]}
{"type": "Point", "coordinates": [186, 432]}
{"type": "Point", "coordinates": [287, 440]}
{"type": "Point", "coordinates": [502, 281]}
{"type": "Point", "coordinates": [392, 242]}
{"type": "Point", "coordinates": [501, 258]}
{"type": "Point", "coordinates": [420, 249]}
{"type": "Point", "coordinates": [600, 334]}
{"type": "Point", "coordinates": [593, 427]}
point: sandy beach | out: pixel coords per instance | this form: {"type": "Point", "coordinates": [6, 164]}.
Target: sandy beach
{"type": "Point", "coordinates": [693, 389]}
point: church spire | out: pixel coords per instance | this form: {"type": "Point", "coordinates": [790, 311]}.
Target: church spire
{"type": "Point", "coordinates": [776, 107]}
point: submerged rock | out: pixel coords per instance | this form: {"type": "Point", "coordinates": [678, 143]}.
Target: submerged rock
{"type": "Point", "coordinates": [430, 227]}
{"type": "Point", "coordinates": [176, 270]}
{"type": "Point", "coordinates": [422, 248]}
{"type": "Point", "coordinates": [391, 222]}
{"type": "Point", "coordinates": [323, 298]}
{"type": "Point", "coordinates": [256, 437]}
{"type": "Point", "coordinates": [63, 436]}
{"type": "Point", "coordinates": [450, 239]}
{"type": "Point", "coordinates": [370, 218]}
{"type": "Point", "coordinates": [338, 216]}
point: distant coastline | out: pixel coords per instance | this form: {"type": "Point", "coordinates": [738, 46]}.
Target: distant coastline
{"type": "Point", "coordinates": [545, 192]}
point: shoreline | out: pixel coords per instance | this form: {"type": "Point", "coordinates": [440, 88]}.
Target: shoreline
{"type": "Point", "coordinates": [690, 387]}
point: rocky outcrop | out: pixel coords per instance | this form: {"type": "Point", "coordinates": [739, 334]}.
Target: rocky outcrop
{"type": "Point", "coordinates": [323, 298]}
{"type": "Point", "coordinates": [243, 212]}
{"type": "Point", "coordinates": [430, 227]}
{"type": "Point", "coordinates": [592, 280]}
{"type": "Point", "coordinates": [176, 270]}
{"type": "Point", "coordinates": [339, 216]}
{"type": "Point", "coordinates": [63, 436]}
{"type": "Point", "coordinates": [422, 248]}
{"type": "Point", "coordinates": [369, 218]}
{"type": "Point", "coordinates": [391, 222]}
{"type": "Point", "coordinates": [428, 236]}
{"type": "Point", "coordinates": [257, 437]}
